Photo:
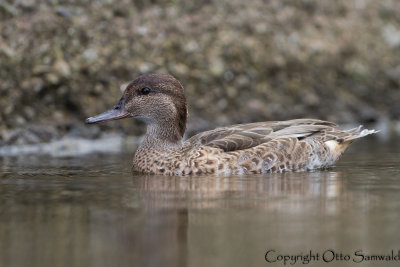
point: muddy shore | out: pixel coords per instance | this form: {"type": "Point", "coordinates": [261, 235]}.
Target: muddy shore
{"type": "Point", "coordinates": [63, 61]}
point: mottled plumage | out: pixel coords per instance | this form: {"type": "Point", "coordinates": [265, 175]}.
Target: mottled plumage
{"type": "Point", "coordinates": [262, 147]}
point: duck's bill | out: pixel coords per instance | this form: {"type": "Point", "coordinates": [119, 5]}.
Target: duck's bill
{"type": "Point", "coordinates": [112, 114]}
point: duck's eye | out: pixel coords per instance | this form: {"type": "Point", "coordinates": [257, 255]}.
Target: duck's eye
{"type": "Point", "coordinates": [144, 91]}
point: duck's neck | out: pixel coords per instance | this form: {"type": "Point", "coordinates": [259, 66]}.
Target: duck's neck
{"type": "Point", "coordinates": [162, 135]}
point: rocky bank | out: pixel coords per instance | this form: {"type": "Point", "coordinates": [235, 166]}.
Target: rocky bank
{"type": "Point", "coordinates": [239, 61]}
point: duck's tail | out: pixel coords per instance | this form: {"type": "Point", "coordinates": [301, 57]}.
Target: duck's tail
{"type": "Point", "coordinates": [356, 133]}
{"type": "Point", "coordinates": [342, 139]}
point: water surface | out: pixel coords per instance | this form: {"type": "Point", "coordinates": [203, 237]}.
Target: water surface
{"type": "Point", "coordinates": [92, 211]}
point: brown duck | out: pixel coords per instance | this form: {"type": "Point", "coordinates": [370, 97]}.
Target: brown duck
{"type": "Point", "coordinates": [262, 147]}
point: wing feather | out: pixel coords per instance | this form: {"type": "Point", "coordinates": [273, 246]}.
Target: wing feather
{"type": "Point", "coordinates": [243, 136]}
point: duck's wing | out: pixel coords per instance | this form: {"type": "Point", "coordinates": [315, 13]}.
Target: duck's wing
{"type": "Point", "coordinates": [242, 136]}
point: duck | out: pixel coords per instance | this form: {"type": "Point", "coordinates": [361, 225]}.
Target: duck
{"type": "Point", "coordinates": [253, 148]}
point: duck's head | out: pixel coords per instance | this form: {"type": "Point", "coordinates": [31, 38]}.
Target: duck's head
{"type": "Point", "coordinates": [157, 99]}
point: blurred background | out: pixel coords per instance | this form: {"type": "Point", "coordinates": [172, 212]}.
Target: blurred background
{"type": "Point", "coordinates": [239, 61]}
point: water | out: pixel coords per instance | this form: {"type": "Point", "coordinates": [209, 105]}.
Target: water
{"type": "Point", "coordinates": [92, 211]}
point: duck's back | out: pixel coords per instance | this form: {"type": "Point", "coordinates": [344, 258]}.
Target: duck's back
{"type": "Point", "coordinates": [265, 147]}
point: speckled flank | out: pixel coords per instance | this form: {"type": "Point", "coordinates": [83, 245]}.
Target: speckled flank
{"type": "Point", "coordinates": [263, 147]}
{"type": "Point", "coordinates": [277, 155]}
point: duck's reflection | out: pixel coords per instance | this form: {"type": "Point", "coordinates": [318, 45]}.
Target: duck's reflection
{"type": "Point", "coordinates": [181, 211]}
{"type": "Point", "coordinates": [267, 191]}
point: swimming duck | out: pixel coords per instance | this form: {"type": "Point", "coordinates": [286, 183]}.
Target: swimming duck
{"type": "Point", "coordinates": [261, 147]}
